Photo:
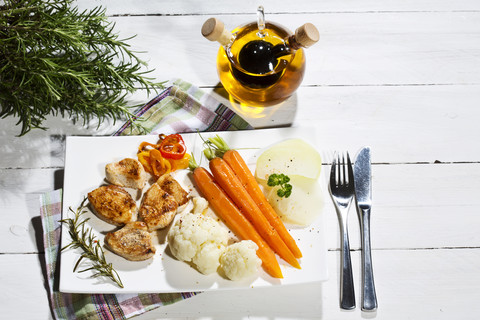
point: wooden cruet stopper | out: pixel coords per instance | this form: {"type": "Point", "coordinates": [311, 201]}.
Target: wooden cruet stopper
{"type": "Point", "coordinates": [306, 35]}
{"type": "Point", "coordinates": [214, 30]}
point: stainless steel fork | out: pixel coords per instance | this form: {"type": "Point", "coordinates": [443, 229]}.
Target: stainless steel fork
{"type": "Point", "coordinates": [342, 189]}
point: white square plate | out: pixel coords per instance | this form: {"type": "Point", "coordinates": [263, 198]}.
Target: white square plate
{"type": "Point", "coordinates": [85, 162]}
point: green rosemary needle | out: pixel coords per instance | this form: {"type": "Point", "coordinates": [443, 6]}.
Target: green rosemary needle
{"type": "Point", "coordinates": [83, 238]}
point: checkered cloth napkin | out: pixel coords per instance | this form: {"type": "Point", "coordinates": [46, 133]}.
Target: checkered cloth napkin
{"type": "Point", "coordinates": [182, 108]}
{"type": "Point", "coordinates": [179, 108]}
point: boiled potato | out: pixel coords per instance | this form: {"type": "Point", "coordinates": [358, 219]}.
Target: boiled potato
{"type": "Point", "coordinates": [302, 164]}
{"type": "Point", "coordinates": [303, 206]}
{"type": "Point", "coordinates": [290, 157]}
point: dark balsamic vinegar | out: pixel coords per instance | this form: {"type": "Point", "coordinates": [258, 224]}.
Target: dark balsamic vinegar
{"type": "Point", "coordinates": [260, 57]}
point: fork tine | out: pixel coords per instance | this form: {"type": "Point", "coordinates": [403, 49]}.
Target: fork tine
{"type": "Point", "coordinates": [343, 169]}
{"type": "Point", "coordinates": [334, 171]}
{"type": "Point", "coordinates": [338, 172]}
{"type": "Point", "coordinates": [350, 170]}
{"type": "Point", "coordinates": [341, 173]}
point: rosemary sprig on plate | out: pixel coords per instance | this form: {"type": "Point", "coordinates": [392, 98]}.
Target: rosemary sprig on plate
{"type": "Point", "coordinates": [83, 238]}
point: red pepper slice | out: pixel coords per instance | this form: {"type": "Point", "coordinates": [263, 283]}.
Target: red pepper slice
{"type": "Point", "coordinates": [173, 147]}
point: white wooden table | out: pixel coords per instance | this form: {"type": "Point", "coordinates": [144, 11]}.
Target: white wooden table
{"type": "Point", "coordinates": [400, 76]}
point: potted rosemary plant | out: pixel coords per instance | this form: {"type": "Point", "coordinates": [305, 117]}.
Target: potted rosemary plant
{"type": "Point", "coordinates": [57, 60]}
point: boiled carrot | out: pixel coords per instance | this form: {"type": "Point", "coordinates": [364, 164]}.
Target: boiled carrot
{"type": "Point", "coordinates": [229, 182]}
{"type": "Point", "coordinates": [236, 162]}
{"type": "Point", "coordinates": [218, 147]}
{"type": "Point", "coordinates": [234, 219]}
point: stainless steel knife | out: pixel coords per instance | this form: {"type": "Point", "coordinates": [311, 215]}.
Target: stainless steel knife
{"type": "Point", "coordinates": [363, 192]}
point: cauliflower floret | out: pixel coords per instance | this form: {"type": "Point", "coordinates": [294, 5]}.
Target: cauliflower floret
{"type": "Point", "coordinates": [199, 239]}
{"type": "Point", "coordinates": [240, 260]}
{"type": "Point", "coordinates": [207, 258]}
{"type": "Point", "coordinates": [200, 204]}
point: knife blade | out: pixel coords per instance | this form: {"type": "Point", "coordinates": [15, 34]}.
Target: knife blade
{"type": "Point", "coordinates": [363, 195]}
{"type": "Point", "coordinates": [362, 171]}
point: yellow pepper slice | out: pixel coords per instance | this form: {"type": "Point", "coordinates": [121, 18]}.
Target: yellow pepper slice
{"type": "Point", "coordinates": [142, 146]}
{"type": "Point", "coordinates": [180, 163]}
{"type": "Point", "coordinates": [144, 158]}
{"type": "Point", "coordinates": [159, 164]}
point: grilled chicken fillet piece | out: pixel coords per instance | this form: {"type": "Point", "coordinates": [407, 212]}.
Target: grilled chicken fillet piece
{"type": "Point", "coordinates": [171, 186]}
{"type": "Point", "coordinates": [113, 204]}
{"type": "Point", "coordinates": [133, 242]}
{"type": "Point", "coordinates": [158, 208]}
{"type": "Point", "coordinates": [126, 173]}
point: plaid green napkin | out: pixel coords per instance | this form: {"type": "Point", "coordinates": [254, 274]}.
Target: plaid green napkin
{"type": "Point", "coordinates": [180, 108]}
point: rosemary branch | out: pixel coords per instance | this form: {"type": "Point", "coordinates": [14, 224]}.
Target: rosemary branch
{"type": "Point", "coordinates": [56, 60]}
{"type": "Point", "coordinates": [83, 238]}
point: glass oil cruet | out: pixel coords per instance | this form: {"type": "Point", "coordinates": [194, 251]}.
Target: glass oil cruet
{"type": "Point", "coordinates": [260, 63]}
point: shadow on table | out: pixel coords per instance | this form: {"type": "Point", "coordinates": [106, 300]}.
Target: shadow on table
{"type": "Point", "coordinates": [36, 223]}
{"type": "Point", "coordinates": [296, 301]}
{"type": "Point", "coordinates": [260, 117]}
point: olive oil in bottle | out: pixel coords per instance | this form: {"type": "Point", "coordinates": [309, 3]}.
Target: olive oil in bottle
{"type": "Point", "coordinates": [260, 64]}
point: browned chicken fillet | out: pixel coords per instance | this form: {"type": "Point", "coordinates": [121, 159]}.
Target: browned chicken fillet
{"type": "Point", "coordinates": [133, 242]}
{"type": "Point", "coordinates": [113, 204]}
{"type": "Point", "coordinates": [158, 208]}
{"type": "Point", "coordinates": [126, 173]}
{"type": "Point", "coordinates": [171, 186]}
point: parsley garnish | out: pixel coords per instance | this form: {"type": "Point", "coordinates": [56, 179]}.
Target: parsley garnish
{"type": "Point", "coordinates": [280, 180]}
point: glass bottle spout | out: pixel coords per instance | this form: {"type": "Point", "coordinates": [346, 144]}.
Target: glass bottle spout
{"type": "Point", "coordinates": [261, 22]}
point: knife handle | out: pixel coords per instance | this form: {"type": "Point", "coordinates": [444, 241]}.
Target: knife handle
{"type": "Point", "coordinates": [369, 297]}
{"type": "Point", "coordinates": [347, 292]}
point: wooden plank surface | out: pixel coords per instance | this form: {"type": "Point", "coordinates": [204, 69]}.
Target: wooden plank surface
{"type": "Point", "coordinates": [400, 76]}
{"type": "Point", "coordinates": [411, 284]}
{"type": "Point", "coordinates": [415, 48]}
{"type": "Point", "coordinates": [165, 7]}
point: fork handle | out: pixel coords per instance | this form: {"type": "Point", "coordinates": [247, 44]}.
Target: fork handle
{"type": "Point", "coordinates": [347, 292]}
{"type": "Point", "coordinates": [369, 297]}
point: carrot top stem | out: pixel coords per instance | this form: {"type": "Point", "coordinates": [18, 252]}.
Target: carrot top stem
{"type": "Point", "coordinates": [192, 163]}
{"type": "Point", "coordinates": [215, 147]}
